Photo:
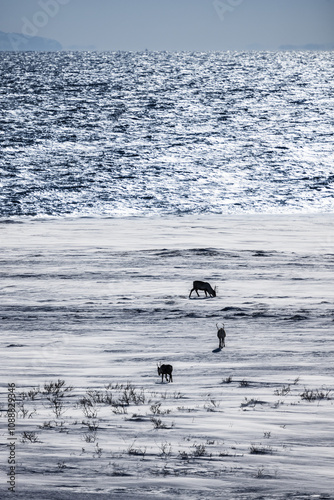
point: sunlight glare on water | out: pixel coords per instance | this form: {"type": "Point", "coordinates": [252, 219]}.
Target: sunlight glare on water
{"type": "Point", "coordinates": [157, 133]}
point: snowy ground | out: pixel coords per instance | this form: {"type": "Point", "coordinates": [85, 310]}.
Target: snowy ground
{"type": "Point", "coordinates": [88, 309]}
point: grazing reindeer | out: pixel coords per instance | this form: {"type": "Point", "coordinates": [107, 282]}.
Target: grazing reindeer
{"type": "Point", "coordinates": [165, 370]}
{"type": "Point", "coordinates": [221, 334]}
{"type": "Point", "coordinates": [206, 287]}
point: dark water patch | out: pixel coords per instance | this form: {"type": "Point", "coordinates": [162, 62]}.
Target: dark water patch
{"type": "Point", "coordinates": [200, 298]}
{"type": "Point", "coordinates": [231, 308]}
{"type": "Point", "coordinates": [50, 275]}
{"type": "Point", "coordinates": [236, 315]}
{"type": "Point", "coordinates": [262, 253]}
{"type": "Point", "coordinates": [250, 314]}
{"type": "Point", "coordinates": [263, 314]}
{"type": "Point", "coordinates": [115, 350]}
{"type": "Point", "coordinates": [168, 253]}
{"type": "Point", "coordinates": [260, 312]}
{"type": "Point", "coordinates": [206, 252]}
{"type": "Point", "coordinates": [213, 315]}
{"type": "Point", "coordinates": [15, 345]}
{"type": "Point", "coordinates": [192, 315]}
{"type": "Point", "coordinates": [10, 221]}
{"type": "Point", "coordinates": [145, 311]}
{"type": "Point", "coordinates": [181, 314]}
{"type": "Point", "coordinates": [297, 317]}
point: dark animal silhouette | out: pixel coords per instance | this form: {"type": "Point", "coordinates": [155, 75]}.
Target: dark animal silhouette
{"type": "Point", "coordinates": [206, 287]}
{"type": "Point", "coordinates": [221, 334]}
{"type": "Point", "coordinates": [165, 370]}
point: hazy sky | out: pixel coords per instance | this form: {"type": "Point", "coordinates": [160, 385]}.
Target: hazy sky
{"type": "Point", "coordinates": [172, 24]}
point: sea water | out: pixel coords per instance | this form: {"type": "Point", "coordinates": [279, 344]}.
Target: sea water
{"type": "Point", "coordinates": [155, 133]}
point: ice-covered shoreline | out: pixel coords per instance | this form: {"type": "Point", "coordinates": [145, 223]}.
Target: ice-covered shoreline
{"type": "Point", "coordinates": [98, 302]}
{"type": "Point", "coordinates": [272, 231]}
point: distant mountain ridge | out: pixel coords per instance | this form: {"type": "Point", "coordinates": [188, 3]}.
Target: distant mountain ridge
{"type": "Point", "coordinates": [308, 46]}
{"type": "Point", "coordinates": [19, 42]}
{"type": "Point", "coordinates": [16, 42]}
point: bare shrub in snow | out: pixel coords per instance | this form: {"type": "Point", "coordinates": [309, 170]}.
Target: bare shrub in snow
{"type": "Point", "coordinates": [315, 394]}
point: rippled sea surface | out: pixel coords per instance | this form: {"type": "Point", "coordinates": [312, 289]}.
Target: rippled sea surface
{"type": "Point", "coordinates": [122, 134]}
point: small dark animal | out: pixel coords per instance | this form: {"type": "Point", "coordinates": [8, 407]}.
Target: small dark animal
{"type": "Point", "coordinates": [165, 370]}
{"type": "Point", "coordinates": [221, 334]}
{"type": "Point", "coordinates": [206, 287]}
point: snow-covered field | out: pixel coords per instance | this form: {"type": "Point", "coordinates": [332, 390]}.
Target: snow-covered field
{"type": "Point", "coordinates": [90, 306]}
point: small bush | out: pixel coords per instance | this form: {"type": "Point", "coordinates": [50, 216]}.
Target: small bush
{"type": "Point", "coordinates": [155, 408]}
{"type": "Point", "coordinates": [58, 388]}
{"type": "Point", "coordinates": [199, 450]}
{"type": "Point", "coordinates": [92, 425]}
{"type": "Point", "coordinates": [23, 412]}
{"type": "Point", "coordinates": [30, 395]}
{"type": "Point", "coordinates": [96, 396]}
{"type": "Point", "coordinates": [90, 437]}
{"type": "Point", "coordinates": [315, 395]}
{"type": "Point", "coordinates": [252, 403]}
{"type": "Point", "coordinates": [88, 407]}
{"type": "Point", "coordinates": [211, 405]}
{"type": "Point", "coordinates": [119, 409]}
{"type": "Point", "coordinates": [130, 395]}
{"type": "Point", "coordinates": [32, 437]}
{"type": "Point", "coordinates": [260, 450]}
{"type": "Point", "coordinates": [166, 449]}
{"type": "Point", "coordinates": [224, 454]}
{"type": "Point", "coordinates": [47, 425]}
{"type": "Point", "coordinates": [283, 391]}
{"type": "Point", "coordinates": [157, 423]}
{"type": "Point", "coordinates": [178, 395]}
{"type": "Point", "coordinates": [137, 451]}
{"type": "Point", "coordinates": [97, 451]}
